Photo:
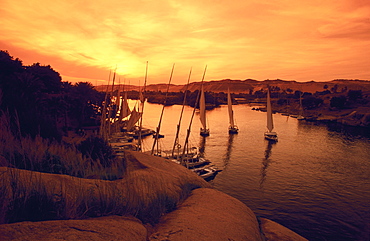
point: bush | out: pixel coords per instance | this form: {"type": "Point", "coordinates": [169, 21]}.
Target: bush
{"type": "Point", "coordinates": [338, 102]}
{"type": "Point", "coordinates": [97, 148]}
{"type": "Point", "coordinates": [311, 102]}
{"type": "Point", "coordinates": [354, 94]}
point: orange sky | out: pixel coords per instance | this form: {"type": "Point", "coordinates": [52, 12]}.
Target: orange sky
{"type": "Point", "coordinates": [316, 40]}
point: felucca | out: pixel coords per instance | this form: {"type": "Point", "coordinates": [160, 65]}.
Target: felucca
{"type": "Point", "coordinates": [270, 134]}
{"type": "Point", "coordinates": [233, 129]}
{"type": "Point", "coordinates": [204, 131]}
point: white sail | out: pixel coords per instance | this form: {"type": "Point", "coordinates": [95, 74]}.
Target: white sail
{"type": "Point", "coordinates": [230, 108]}
{"type": "Point", "coordinates": [270, 122]}
{"type": "Point", "coordinates": [118, 98]}
{"type": "Point", "coordinates": [135, 116]}
{"type": "Point", "coordinates": [202, 109]}
{"type": "Point", "coordinates": [125, 109]}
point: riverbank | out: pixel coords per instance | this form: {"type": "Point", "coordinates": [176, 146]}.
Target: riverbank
{"type": "Point", "coordinates": [357, 116]}
{"type": "Point", "coordinates": [155, 200]}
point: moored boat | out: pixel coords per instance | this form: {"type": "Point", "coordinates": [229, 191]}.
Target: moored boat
{"type": "Point", "coordinates": [270, 134]}
{"type": "Point", "coordinates": [233, 129]}
{"type": "Point", "coordinates": [207, 173]}
{"type": "Point", "coordinates": [204, 131]}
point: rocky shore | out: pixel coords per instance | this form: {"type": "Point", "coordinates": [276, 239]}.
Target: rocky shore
{"type": "Point", "coordinates": [167, 202]}
{"type": "Point", "coordinates": [358, 116]}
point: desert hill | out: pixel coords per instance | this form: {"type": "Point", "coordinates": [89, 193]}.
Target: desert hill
{"type": "Point", "coordinates": [248, 85]}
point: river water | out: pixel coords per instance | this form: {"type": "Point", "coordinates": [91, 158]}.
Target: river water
{"type": "Point", "coordinates": [315, 180]}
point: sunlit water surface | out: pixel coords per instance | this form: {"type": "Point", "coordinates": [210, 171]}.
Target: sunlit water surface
{"type": "Point", "coordinates": [314, 180]}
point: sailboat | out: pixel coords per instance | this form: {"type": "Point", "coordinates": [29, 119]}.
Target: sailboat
{"type": "Point", "coordinates": [270, 134]}
{"type": "Point", "coordinates": [202, 111]}
{"type": "Point", "coordinates": [125, 109]}
{"type": "Point", "coordinates": [233, 129]}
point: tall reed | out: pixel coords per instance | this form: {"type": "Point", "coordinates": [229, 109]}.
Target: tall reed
{"type": "Point", "coordinates": [43, 155]}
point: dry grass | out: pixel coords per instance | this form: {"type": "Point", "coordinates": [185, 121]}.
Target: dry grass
{"type": "Point", "coordinates": [33, 196]}
{"type": "Point", "coordinates": [45, 180]}
{"type": "Point", "coordinates": [38, 154]}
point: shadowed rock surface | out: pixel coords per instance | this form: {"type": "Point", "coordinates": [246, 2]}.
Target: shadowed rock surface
{"type": "Point", "coordinates": [156, 200]}
{"type": "Point", "coordinates": [103, 228]}
{"type": "Point", "coordinates": [208, 214]}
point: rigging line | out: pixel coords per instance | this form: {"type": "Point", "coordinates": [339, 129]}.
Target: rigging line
{"type": "Point", "coordinates": [191, 120]}
{"type": "Point", "coordinates": [142, 106]}
{"type": "Point", "coordinates": [111, 105]}
{"type": "Point", "coordinates": [103, 116]}
{"type": "Point", "coordinates": [164, 104]}
{"type": "Point", "coordinates": [176, 142]}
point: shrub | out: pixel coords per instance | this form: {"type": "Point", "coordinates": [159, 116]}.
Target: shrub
{"type": "Point", "coordinates": [338, 102]}
{"type": "Point", "coordinates": [97, 148]}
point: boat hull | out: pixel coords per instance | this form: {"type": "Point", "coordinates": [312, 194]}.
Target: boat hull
{"type": "Point", "coordinates": [271, 136]}
{"type": "Point", "coordinates": [204, 132]}
{"type": "Point", "coordinates": [233, 130]}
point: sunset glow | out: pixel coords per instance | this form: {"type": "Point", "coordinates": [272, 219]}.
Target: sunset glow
{"type": "Point", "coordinates": [292, 40]}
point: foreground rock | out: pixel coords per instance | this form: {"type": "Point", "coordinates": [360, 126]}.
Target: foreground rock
{"type": "Point", "coordinates": [154, 189]}
{"type": "Point", "coordinates": [151, 187]}
{"type": "Point", "coordinates": [104, 228]}
{"type": "Point", "coordinates": [275, 231]}
{"type": "Point", "coordinates": [208, 214]}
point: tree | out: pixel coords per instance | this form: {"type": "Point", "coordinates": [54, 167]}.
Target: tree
{"type": "Point", "coordinates": [354, 94]}
{"type": "Point", "coordinates": [311, 102]}
{"type": "Point", "coordinates": [37, 99]}
{"type": "Point", "coordinates": [282, 101]}
{"type": "Point", "coordinates": [83, 101]}
{"type": "Point", "coordinates": [50, 80]}
{"type": "Point", "coordinates": [297, 94]}
{"type": "Point", "coordinates": [334, 89]}
{"type": "Point", "coordinates": [338, 102]}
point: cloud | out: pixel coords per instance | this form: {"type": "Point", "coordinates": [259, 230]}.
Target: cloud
{"type": "Point", "coordinates": [237, 39]}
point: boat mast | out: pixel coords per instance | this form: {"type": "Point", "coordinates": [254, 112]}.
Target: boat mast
{"type": "Point", "coordinates": [118, 100]}
{"type": "Point", "coordinates": [104, 111]}
{"type": "Point", "coordinates": [142, 100]}
{"type": "Point", "coordinates": [176, 142]}
{"type": "Point", "coordinates": [270, 123]}
{"type": "Point", "coordinates": [160, 118]}
{"type": "Point", "coordinates": [111, 106]}
{"type": "Point", "coordinates": [230, 108]}
{"type": "Point", "coordinates": [191, 121]}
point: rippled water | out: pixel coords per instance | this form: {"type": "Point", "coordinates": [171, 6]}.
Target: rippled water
{"type": "Point", "coordinates": [315, 180]}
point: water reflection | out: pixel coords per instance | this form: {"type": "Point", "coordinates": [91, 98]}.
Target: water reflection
{"type": "Point", "coordinates": [229, 147]}
{"type": "Point", "coordinates": [349, 131]}
{"type": "Point", "coordinates": [202, 145]}
{"type": "Point", "coordinates": [266, 162]}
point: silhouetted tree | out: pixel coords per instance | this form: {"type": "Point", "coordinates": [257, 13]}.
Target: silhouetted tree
{"type": "Point", "coordinates": [297, 94]}
{"type": "Point", "coordinates": [83, 102]}
{"type": "Point", "coordinates": [282, 101]}
{"type": "Point", "coordinates": [37, 99]}
{"type": "Point", "coordinates": [334, 89]}
{"type": "Point", "coordinates": [338, 102]}
{"type": "Point", "coordinates": [311, 102]}
{"type": "Point", "coordinates": [354, 94]}
{"type": "Point", "coordinates": [49, 80]}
